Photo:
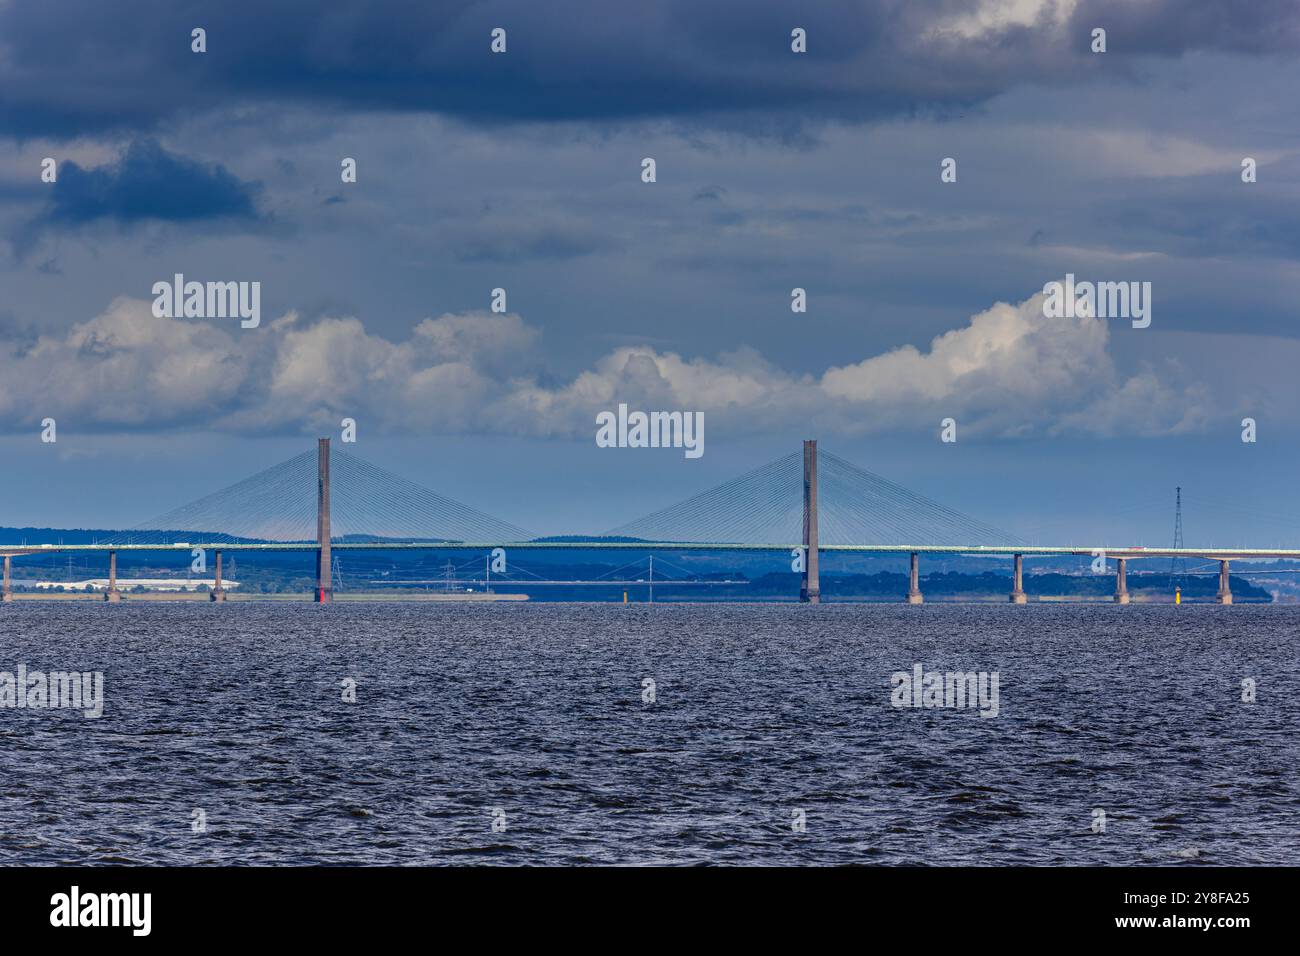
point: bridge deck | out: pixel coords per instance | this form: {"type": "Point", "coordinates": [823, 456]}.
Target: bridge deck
{"type": "Point", "coordinates": [1027, 550]}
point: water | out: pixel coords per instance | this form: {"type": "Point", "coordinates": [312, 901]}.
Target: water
{"type": "Point", "coordinates": [760, 711]}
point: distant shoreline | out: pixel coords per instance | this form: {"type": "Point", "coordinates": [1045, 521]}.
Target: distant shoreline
{"type": "Point", "coordinates": [397, 597]}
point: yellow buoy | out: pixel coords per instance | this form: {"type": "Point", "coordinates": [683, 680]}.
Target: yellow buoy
{"type": "Point", "coordinates": [1178, 595]}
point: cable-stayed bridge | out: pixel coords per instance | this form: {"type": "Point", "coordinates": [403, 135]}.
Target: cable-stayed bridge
{"type": "Point", "coordinates": [802, 503]}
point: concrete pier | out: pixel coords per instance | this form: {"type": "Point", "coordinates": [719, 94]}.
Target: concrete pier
{"type": "Point", "coordinates": [1018, 581]}
{"type": "Point", "coordinates": [1225, 590]}
{"type": "Point", "coordinates": [810, 591]}
{"type": "Point", "coordinates": [112, 595]}
{"type": "Point", "coordinates": [218, 593]}
{"type": "Point", "coordinates": [6, 594]}
{"type": "Point", "coordinates": [914, 595]}
{"type": "Point", "coordinates": [1121, 581]}
{"type": "Point", "coordinates": [324, 574]}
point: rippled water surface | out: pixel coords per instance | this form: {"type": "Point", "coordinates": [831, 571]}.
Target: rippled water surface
{"type": "Point", "coordinates": [537, 711]}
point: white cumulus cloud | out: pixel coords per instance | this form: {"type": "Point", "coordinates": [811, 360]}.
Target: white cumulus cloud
{"type": "Point", "coordinates": [1007, 371]}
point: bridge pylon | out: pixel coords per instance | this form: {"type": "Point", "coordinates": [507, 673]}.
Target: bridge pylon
{"type": "Point", "coordinates": [1018, 580]}
{"type": "Point", "coordinates": [1225, 588]}
{"type": "Point", "coordinates": [218, 593]}
{"type": "Point", "coordinates": [324, 581]}
{"type": "Point", "coordinates": [112, 595]}
{"type": "Point", "coordinates": [914, 595]}
{"type": "Point", "coordinates": [810, 591]}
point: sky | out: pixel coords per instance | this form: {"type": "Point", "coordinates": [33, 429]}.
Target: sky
{"type": "Point", "coordinates": [774, 170]}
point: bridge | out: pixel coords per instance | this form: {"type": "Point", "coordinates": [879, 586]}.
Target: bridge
{"type": "Point", "coordinates": [801, 504]}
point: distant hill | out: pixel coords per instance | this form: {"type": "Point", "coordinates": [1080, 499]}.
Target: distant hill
{"type": "Point", "coordinates": [55, 535]}
{"type": "Point", "coordinates": [844, 578]}
{"type": "Point", "coordinates": [587, 539]}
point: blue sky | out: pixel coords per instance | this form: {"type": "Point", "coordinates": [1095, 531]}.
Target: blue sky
{"type": "Point", "coordinates": [775, 170]}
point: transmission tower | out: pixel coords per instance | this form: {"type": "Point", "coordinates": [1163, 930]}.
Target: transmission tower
{"type": "Point", "coordinates": [1177, 566]}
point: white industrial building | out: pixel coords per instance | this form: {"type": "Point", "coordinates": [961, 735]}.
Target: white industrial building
{"type": "Point", "coordinates": [130, 584]}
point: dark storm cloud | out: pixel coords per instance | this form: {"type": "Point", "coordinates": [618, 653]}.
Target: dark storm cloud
{"type": "Point", "coordinates": [504, 243]}
{"type": "Point", "coordinates": [1213, 227]}
{"type": "Point", "coordinates": [1172, 27]}
{"type": "Point", "coordinates": [80, 66]}
{"type": "Point", "coordinates": [148, 183]}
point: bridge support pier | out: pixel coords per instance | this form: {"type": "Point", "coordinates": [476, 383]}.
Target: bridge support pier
{"type": "Point", "coordinates": [218, 593]}
{"type": "Point", "coordinates": [810, 591]}
{"type": "Point", "coordinates": [1121, 581]}
{"type": "Point", "coordinates": [1225, 590]}
{"type": "Point", "coordinates": [914, 595]}
{"type": "Point", "coordinates": [5, 593]}
{"type": "Point", "coordinates": [112, 595]}
{"type": "Point", "coordinates": [324, 572]}
{"type": "Point", "coordinates": [1018, 581]}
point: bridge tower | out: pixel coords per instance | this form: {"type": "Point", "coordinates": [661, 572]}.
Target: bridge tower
{"type": "Point", "coordinates": [914, 595]}
{"type": "Point", "coordinates": [112, 595]}
{"type": "Point", "coordinates": [324, 576]}
{"type": "Point", "coordinates": [1018, 579]}
{"type": "Point", "coordinates": [218, 593]}
{"type": "Point", "coordinates": [1225, 587]}
{"type": "Point", "coordinates": [810, 591]}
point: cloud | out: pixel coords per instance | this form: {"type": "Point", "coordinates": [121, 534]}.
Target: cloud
{"type": "Point", "coordinates": [1012, 371]}
{"type": "Point", "coordinates": [124, 369]}
{"type": "Point", "coordinates": [502, 240]}
{"type": "Point", "coordinates": [1173, 27]}
{"type": "Point", "coordinates": [78, 67]}
{"type": "Point", "coordinates": [1008, 372]}
{"type": "Point", "coordinates": [147, 183]}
